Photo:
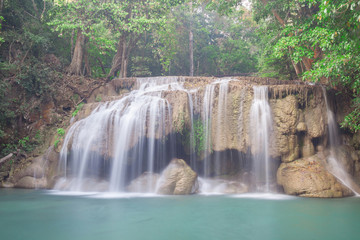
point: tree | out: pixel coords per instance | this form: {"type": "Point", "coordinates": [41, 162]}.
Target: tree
{"type": "Point", "coordinates": [141, 16]}
{"type": "Point", "coordinates": [87, 21]}
{"type": "Point", "coordinates": [321, 38]}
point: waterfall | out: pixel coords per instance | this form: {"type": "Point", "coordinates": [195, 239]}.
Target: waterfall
{"type": "Point", "coordinates": [335, 166]}
{"type": "Point", "coordinates": [206, 124]}
{"type": "Point", "coordinates": [260, 127]}
{"type": "Point", "coordinates": [221, 121]}
{"type": "Point", "coordinates": [120, 140]}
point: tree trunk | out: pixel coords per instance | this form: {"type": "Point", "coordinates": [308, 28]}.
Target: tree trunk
{"type": "Point", "coordinates": [117, 59]}
{"type": "Point", "coordinates": [77, 59]}
{"type": "Point", "coordinates": [191, 48]}
{"type": "Point", "coordinates": [87, 69]}
{"type": "Point", "coordinates": [101, 65]}
{"type": "Point", "coordinates": [72, 42]}
{"type": "Point", "coordinates": [191, 45]}
{"type": "Point", "coordinates": [123, 61]}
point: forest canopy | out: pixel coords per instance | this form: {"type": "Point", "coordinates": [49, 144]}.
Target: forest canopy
{"type": "Point", "coordinates": [43, 40]}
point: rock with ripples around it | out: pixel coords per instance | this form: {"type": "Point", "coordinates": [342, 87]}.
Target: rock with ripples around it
{"type": "Point", "coordinates": [177, 179]}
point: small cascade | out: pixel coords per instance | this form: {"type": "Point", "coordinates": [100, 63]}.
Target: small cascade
{"type": "Point", "coordinates": [206, 124]}
{"type": "Point", "coordinates": [260, 128]}
{"type": "Point", "coordinates": [335, 166]}
{"type": "Point", "coordinates": [120, 140]}
{"type": "Point", "coordinates": [220, 122]}
{"type": "Point", "coordinates": [192, 133]}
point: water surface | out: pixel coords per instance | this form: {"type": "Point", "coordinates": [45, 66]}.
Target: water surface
{"type": "Point", "coordinates": [36, 214]}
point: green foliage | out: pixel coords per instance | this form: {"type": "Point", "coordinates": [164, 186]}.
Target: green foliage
{"type": "Point", "coordinates": [60, 134]}
{"type": "Point", "coordinates": [98, 98]}
{"type": "Point", "coordinates": [199, 137]}
{"type": "Point", "coordinates": [77, 109]}
{"type": "Point", "coordinates": [223, 45]}
{"type": "Point", "coordinates": [352, 121]}
{"type": "Point", "coordinates": [321, 38]}
{"type": "Point", "coordinates": [1, 38]}
{"type": "Point", "coordinates": [36, 79]}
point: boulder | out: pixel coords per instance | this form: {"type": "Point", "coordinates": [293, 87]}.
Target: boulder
{"type": "Point", "coordinates": [145, 183]}
{"type": "Point", "coordinates": [31, 182]}
{"type": "Point", "coordinates": [177, 179]}
{"type": "Point", "coordinates": [308, 177]}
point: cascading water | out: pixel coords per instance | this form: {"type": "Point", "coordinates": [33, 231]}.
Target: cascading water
{"type": "Point", "coordinates": [335, 166]}
{"type": "Point", "coordinates": [119, 140]}
{"type": "Point", "coordinates": [220, 122]}
{"type": "Point", "coordinates": [260, 127]}
{"type": "Point", "coordinates": [206, 124]}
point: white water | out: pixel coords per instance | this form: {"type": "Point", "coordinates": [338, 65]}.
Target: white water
{"type": "Point", "coordinates": [335, 166]}
{"type": "Point", "coordinates": [220, 123]}
{"type": "Point", "coordinates": [206, 124]}
{"type": "Point", "coordinates": [120, 139]}
{"type": "Point", "coordinates": [260, 127]}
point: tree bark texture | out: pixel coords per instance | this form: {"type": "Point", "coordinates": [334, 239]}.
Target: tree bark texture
{"type": "Point", "coordinates": [121, 58]}
{"type": "Point", "coordinates": [117, 59]}
{"type": "Point", "coordinates": [191, 49]}
{"type": "Point", "coordinates": [191, 45]}
{"type": "Point", "coordinates": [77, 59]}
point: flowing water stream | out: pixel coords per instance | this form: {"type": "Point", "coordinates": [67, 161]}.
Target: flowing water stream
{"type": "Point", "coordinates": [261, 125]}
{"type": "Point", "coordinates": [335, 166]}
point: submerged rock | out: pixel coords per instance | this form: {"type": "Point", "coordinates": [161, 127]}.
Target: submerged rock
{"type": "Point", "coordinates": [31, 182]}
{"type": "Point", "coordinates": [177, 179]}
{"type": "Point", "coordinates": [308, 177]}
{"type": "Point", "coordinates": [145, 183]}
{"type": "Point", "coordinates": [222, 186]}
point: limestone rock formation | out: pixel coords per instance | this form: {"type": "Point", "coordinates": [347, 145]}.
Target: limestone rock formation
{"type": "Point", "coordinates": [40, 173]}
{"type": "Point", "coordinates": [33, 176]}
{"type": "Point", "coordinates": [308, 177]}
{"type": "Point", "coordinates": [177, 179]}
{"type": "Point", "coordinates": [285, 114]}
{"type": "Point", "coordinates": [315, 119]}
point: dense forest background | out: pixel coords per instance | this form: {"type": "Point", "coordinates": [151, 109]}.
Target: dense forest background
{"type": "Point", "coordinates": [51, 47]}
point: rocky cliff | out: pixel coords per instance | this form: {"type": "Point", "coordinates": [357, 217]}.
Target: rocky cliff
{"type": "Point", "coordinates": [208, 124]}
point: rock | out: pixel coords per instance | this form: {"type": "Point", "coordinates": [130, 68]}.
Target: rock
{"type": "Point", "coordinates": [31, 182]}
{"type": "Point", "coordinates": [315, 119]}
{"type": "Point", "coordinates": [145, 183]}
{"type": "Point", "coordinates": [301, 127]}
{"type": "Point", "coordinates": [308, 177]}
{"type": "Point", "coordinates": [308, 148]}
{"type": "Point", "coordinates": [285, 113]}
{"type": "Point", "coordinates": [7, 184]}
{"type": "Point", "coordinates": [343, 156]}
{"type": "Point", "coordinates": [177, 179]}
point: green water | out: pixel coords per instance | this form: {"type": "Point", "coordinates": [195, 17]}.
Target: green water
{"type": "Point", "coordinates": [31, 214]}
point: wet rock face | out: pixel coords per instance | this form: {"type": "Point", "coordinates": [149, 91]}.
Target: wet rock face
{"type": "Point", "coordinates": [299, 135]}
{"type": "Point", "coordinates": [308, 177]}
{"type": "Point", "coordinates": [285, 115]}
{"type": "Point", "coordinates": [177, 179]}
{"type": "Point", "coordinates": [315, 119]}
{"type": "Point", "coordinates": [39, 173]}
